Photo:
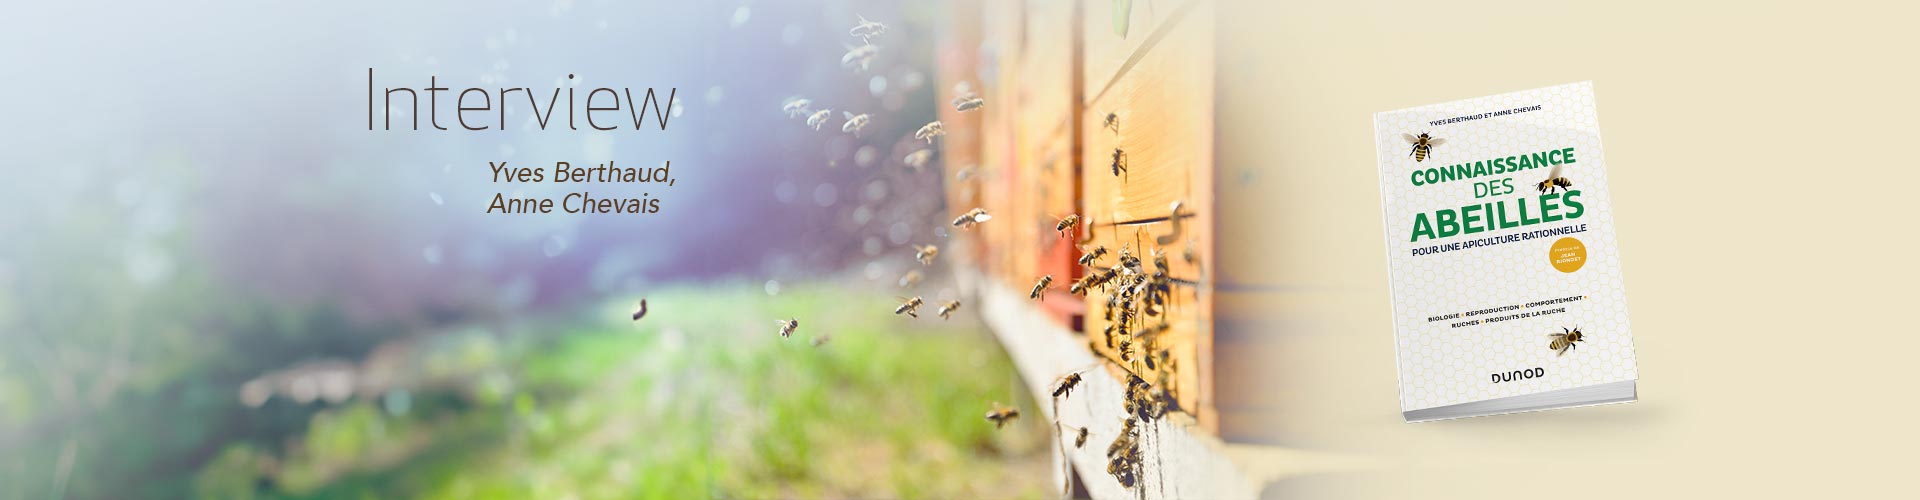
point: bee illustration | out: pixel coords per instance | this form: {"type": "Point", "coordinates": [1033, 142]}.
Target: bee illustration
{"type": "Point", "coordinates": [1041, 286]}
{"type": "Point", "coordinates": [854, 122]}
{"type": "Point", "coordinates": [909, 307]}
{"type": "Point", "coordinates": [1112, 123]}
{"type": "Point", "coordinates": [819, 118]}
{"type": "Point", "coordinates": [1067, 224]}
{"type": "Point", "coordinates": [918, 159]}
{"type": "Point", "coordinates": [968, 102]}
{"type": "Point", "coordinates": [910, 279]}
{"type": "Point", "coordinates": [641, 312]}
{"type": "Point", "coordinates": [787, 326]}
{"type": "Point", "coordinates": [796, 106]}
{"type": "Point", "coordinates": [1554, 182]}
{"type": "Point", "coordinates": [867, 29]}
{"type": "Point", "coordinates": [1086, 259]}
{"type": "Point", "coordinates": [947, 310]}
{"type": "Point", "coordinates": [1564, 340]}
{"type": "Point", "coordinates": [926, 254]}
{"type": "Point", "coordinates": [972, 217]}
{"type": "Point", "coordinates": [1066, 385]}
{"type": "Point", "coordinates": [1000, 415]}
{"type": "Point", "coordinates": [820, 340]}
{"type": "Point", "coordinates": [1080, 441]}
{"type": "Point", "coordinates": [862, 55]}
{"type": "Point", "coordinates": [1422, 145]}
{"type": "Point", "coordinates": [931, 130]}
{"type": "Point", "coordinates": [1119, 162]}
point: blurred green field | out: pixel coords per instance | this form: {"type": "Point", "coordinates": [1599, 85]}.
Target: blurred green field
{"type": "Point", "coordinates": [701, 399]}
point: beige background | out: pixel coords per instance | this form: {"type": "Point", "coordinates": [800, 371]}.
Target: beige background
{"type": "Point", "coordinates": [1762, 158]}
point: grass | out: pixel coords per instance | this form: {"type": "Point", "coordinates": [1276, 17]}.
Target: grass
{"type": "Point", "coordinates": [701, 399]}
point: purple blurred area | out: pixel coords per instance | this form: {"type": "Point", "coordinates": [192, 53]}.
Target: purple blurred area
{"type": "Point", "coordinates": [241, 127]}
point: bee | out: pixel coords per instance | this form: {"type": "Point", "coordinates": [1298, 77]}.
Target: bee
{"type": "Point", "coordinates": [796, 106]}
{"type": "Point", "coordinates": [1066, 385]}
{"type": "Point", "coordinates": [1000, 415]}
{"type": "Point", "coordinates": [820, 340]}
{"type": "Point", "coordinates": [968, 102]}
{"type": "Point", "coordinates": [926, 254]}
{"type": "Point", "coordinates": [1126, 350]}
{"type": "Point", "coordinates": [787, 326]}
{"type": "Point", "coordinates": [1067, 224]}
{"type": "Point", "coordinates": [1112, 123]}
{"type": "Point", "coordinates": [946, 310]}
{"type": "Point", "coordinates": [819, 118]}
{"type": "Point", "coordinates": [1083, 284]}
{"type": "Point", "coordinates": [1422, 145]}
{"type": "Point", "coordinates": [862, 55]}
{"type": "Point", "coordinates": [1119, 162]}
{"type": "Point", "coordinates": [1123, 456]}
{"type": "Point", "coordinates": [918, 159]}
{"type": "Point", "coordinates": [975, 216]}
{"type": "Point", "coordinates": [1081, 440]}
{"type": "Point", "coordinates": [867, 29]}
{"type": "Point", "coordinates": [910, 279]}
{"type": "Point", "coordinates": [1554, 182]}
{"type": "Point", "coordinates": [965, 173]}
{"type": "Point", "coordinates": [1086, 259]}
{"type": "Point", "coordinates": [931, 130]}
{"type": "Point", "coordinates": [1564, 340]}
{"type": "Point", "coordinates": [909, 307]}
{"type": "Point", "coordinates": [1041, 286]}
{"type": "Point", "coordinates": [854, 122]}
{"type": "Point", "coordinates": [1101, 277]}
{"type": "Point", "coordinates": [641, 312]}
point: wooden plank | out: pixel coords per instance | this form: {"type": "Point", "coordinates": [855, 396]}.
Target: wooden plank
{"type": "Point", "coordinates": [1107, 50]}
{"type": "Point", "coordinates": [1182, 460]}
{"type": "Point", "coordinates": [1165, 128]}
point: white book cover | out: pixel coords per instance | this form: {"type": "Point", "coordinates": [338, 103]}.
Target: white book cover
{"type": "Point", "coordinates": [1506, 280]}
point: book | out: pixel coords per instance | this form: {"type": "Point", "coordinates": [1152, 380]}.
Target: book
{"type": "Point", "coordinates": [1505, 271]}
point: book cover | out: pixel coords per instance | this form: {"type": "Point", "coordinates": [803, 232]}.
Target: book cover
{"type": "Point", "coordinates": [1505, 273]}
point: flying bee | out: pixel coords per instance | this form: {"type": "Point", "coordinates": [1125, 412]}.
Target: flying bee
{"type": "Point", "coordinates": [1066, 385]}
{"type": "Point", "coordinates": [867, 29]}
{"type": "Point", "coordinates": [918, 159]}
{"type": "Point", "coordinates": [1081, 440]}
{"type": "Point", "coordinates": [1554, 182]}
{"type": "Point", "coordinates": [862, 55]}
{"type": "Point", "coordinates": [926, 254]}
{"type": "Point", "coordinates": [1564, 340]}
{"type": "Point", "coordinates": [910, 279]}
{"type": "Point", "coordinates": [796, 106]}
{"type": "Point", "coordinates": [1000, 415]}
{"type": "Point", "coordinates": [787, 326]}
{"type": "Point", "coordinates": [1086, 260]}
{"type": "Point", "coordinates": [1079, 286]}
{"type": "Point", "coordinates": [930, 131]}
{"type": "Point", "coordinates": [820, 340]}
{"type": "Point", "coordinates": [975, 216]}
{"type": "Point", "coordinates": [1119, 162]}
{"type": "Point", "coordinates": [1041, 286]}
{"type": "Point", "coordinates": [968, 102]}
{"type": "Point", "coordinates": [909, 307]}
{"type": "Point", "coordinates": [949, 308]}
{"type": "Point", "coordinates": [1112, 123]}
{"type": "Point", "coordinates": [641, 312]}
{"type": "Point", "coordinates": [1422, 145]}
{"type": "Point", "coordinates": [854, 122]}
{"type": "Point", "coordinates": [1067, 224]}
{"type": "Point", "coordinates": [819, 118]}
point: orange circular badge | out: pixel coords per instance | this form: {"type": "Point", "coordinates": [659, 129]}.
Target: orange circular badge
{"type": "Point", "coordinates": [1567, 255]}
